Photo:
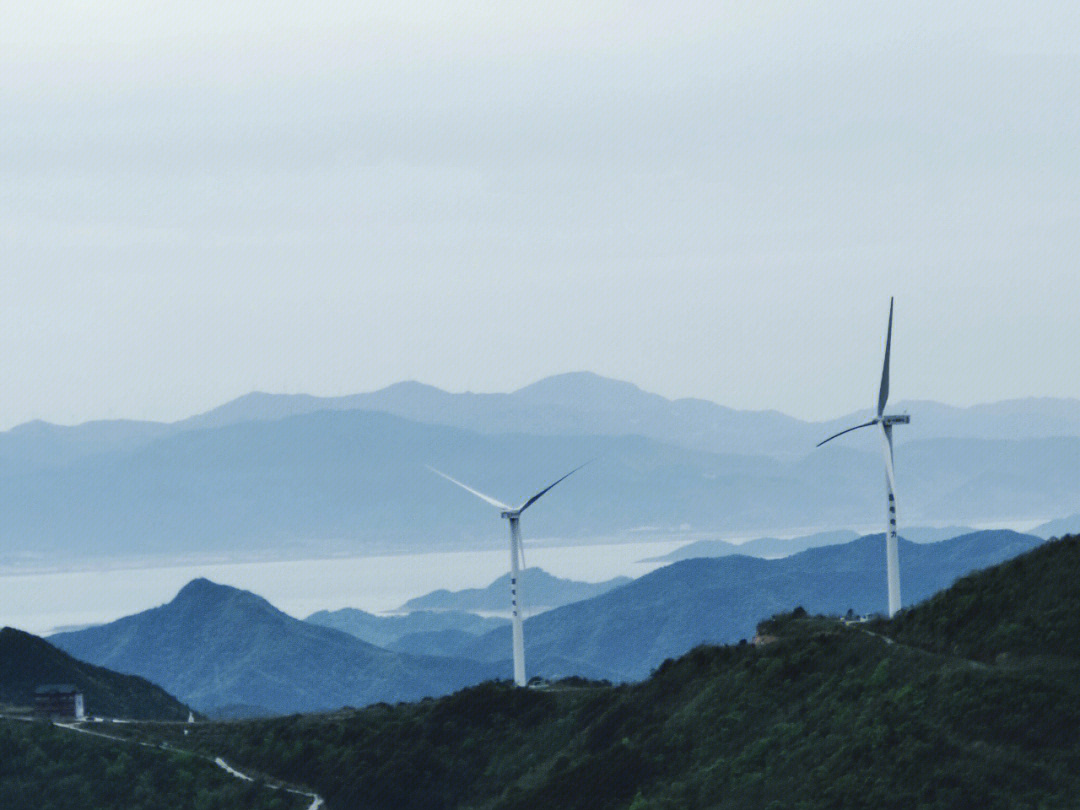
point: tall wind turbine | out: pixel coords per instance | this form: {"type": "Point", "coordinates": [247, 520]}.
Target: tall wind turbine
{"type": "Point", "coordinates": [892, 557]}
{"type": "Point", "coordinates": [517, 561]}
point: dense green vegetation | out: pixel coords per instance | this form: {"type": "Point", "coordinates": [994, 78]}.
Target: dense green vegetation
{"type": "Point", "coordinates": [45, 768]}
{"type": "Point", "coordinates": [1029, 606]}
{"type": "Point", "coordinates": [27, 662]}
{"type": "Point", "coordinates": [824, 715]}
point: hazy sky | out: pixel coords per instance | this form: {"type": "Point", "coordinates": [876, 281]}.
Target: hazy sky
{"type": "Point", "coordinates": [709, 199]}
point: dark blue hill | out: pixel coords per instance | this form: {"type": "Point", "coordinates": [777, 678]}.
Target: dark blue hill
{"type": "Point", "coordinates": [624, 634]}
{"type": "Point", "coordinates": [220, 646]}
{"type": "Point", "coordinates": [27, 662]}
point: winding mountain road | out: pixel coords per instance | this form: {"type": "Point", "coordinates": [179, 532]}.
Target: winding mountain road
{"type": "Point", "coordinates": [316, 800]}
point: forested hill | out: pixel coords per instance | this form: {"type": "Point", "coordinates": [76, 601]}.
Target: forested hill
{"type": "Point", "coordinates": [48, 768]}
{"type": "Point", "coordinates": [1029, 606]}
{"type": "Point", "coordinates": [27, 662]}
{"type": "Point", "coordinates": [821, 715]}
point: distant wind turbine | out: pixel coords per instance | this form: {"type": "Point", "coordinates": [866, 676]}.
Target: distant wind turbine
{"type": "Point", "coordinates": [517, 561]}
{"type": "Point", "coordinates": [892, 556]}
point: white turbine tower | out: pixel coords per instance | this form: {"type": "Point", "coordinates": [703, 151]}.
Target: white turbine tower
{"type": "Point", "coordinates": [517, 562]}
{"type": "Point", "coordinates": [892, 558]}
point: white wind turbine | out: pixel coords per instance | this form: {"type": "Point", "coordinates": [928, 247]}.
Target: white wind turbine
{"type": "Point", "coordinates": [517, 561]}
{"type": "Point", "coordinates": [892, 557]}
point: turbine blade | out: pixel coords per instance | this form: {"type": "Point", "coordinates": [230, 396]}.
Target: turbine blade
{"type": "Point", "coordinates": [842, 432]}
{"type": "Point", "coordinates": [466, 487]}
{"type": "Point", "coordinates": [886, 439]}
{"type": "Point", "coordinates": [883, 394]}
{"type": "Point", "coordinates": [537, 496]}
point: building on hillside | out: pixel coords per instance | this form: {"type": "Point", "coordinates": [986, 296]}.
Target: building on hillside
{"type": "Point", "coordinates": [59, 700]}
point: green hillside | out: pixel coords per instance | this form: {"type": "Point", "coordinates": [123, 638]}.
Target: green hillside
{"type": "Point", "coordinates": [822, 716]}
{"type": "Point", "coordinates": [45, 768]}
{"type": "Point", "coordinates": [1029, 606]}
{"type": "Point", "coordinates": [27, 662]}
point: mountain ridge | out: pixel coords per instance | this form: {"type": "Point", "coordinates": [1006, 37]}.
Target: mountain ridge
{"type": "Point", "coordinates": [623, 634]}
{"type": "Point", "coordinates": [28, 661]}
{"type": "Point", "coordinates": [540, 591]}
{"type": "Point", "coordinates": [578, 399]}
{"type": "Point", "coordinates": [354, 482]}
{"type": "Point", "coordinates": [219, 646]}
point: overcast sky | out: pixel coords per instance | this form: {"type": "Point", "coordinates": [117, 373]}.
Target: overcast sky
{"type": "Point", "coordinates": [709, 199]}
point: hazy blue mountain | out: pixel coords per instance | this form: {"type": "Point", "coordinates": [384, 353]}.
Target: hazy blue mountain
{"type": "Point", "coordinates": [575, 403]}
{"type": "Point", "coordinates": [1058, 528]}
{"type": "Point", "coordinates": [382, 630]}
{"type": "Point", "coordinates": [220, 646]}
{"type": "Point", "coordinates": [540, 591]}
{"type": "Point", "coordinates": [625, 633]}
{"type": "Point", "coordinates": [566, 404]}
{"type": "Point", "coordinates": [770, 547]}
{"type": "Point", "coordinates": [759, 547]}
{"type": "Point", "coordinates": [935, 534]}
{"type": "Point", "coordinates": [27, 662]}
{"type": "Point", "coordinates": [583, 402]}
{"type": "Point", "coordinates": [432, 642]}
{"type": "Point", "coordinates": [42, 444]}
{"type": "Point", "coordinates": [701, 548]}
{"type": "Point", "coordinates": [355, 481]}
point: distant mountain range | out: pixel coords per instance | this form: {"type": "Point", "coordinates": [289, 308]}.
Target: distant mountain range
{"type": "Point", "coordinates": [541, 591]}
{"type": "Point", "coordinates": [305, 476]}
{"type": "Point", "coordinates": [27, 662]}
{"type": "Point", "coordinates": [772, 547]}
{"type": "Point", "coordinates": [218, 646]}
{"type": "Point", "coordinates": [578, 403]}
{"type": "Point", "coordinates": [1058, 528]}
{"type": "Point", "coordinates": [759, 547]}
{"type": "Point", "coordinates": [624, 634]}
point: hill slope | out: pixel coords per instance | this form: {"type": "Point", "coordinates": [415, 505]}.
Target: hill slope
{"type": "Point", "coordinates": [623, 634]}
{"type": "Point", "coordinates": [27, 662]}
{"type": "Point", "coordinates": [220, 646]}
{"type": "Point", "coordinates": [825, 716]}
{"type": "Point", "coordinates": [541, 591]}
{"type": "Point", "coordinates": [1029, 606]}
{"type": "Point", "coordinates": [384, 630]}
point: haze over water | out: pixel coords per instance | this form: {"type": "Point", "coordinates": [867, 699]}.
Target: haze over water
{"type": "Point", "coordinates": [40, 603]}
